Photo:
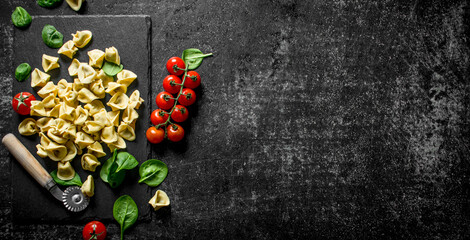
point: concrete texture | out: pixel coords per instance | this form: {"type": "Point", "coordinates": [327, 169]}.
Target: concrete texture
{"type": "Point", "coordinates": [315, 119]}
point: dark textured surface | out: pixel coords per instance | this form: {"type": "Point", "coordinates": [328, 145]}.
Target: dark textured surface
{"type": "Point", "coordinates": [107, 31]}
{"type": "Point", "coordinates": [327, 119]}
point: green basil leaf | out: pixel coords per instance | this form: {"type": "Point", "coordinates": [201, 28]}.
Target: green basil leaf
{"type": "Point", "coordinates": [48, 3]}
{"type": "Point", "coordinates": [75, 181]}
{"type": "Point", "coordinates": [193, 57]}
{"type": "Point", "coordinates": [20, 17]}
{"type": "Point", "coordinates": [153, 172]}
{"type": "Point", "coordinates": [125, 212]}
{"type": "Point", "coordinates": [22, 72]}
{"type": "Point", "coordinates": [105, 169]}
{"type": "Point", "coordinates": [111, 69]}
{"type": "Point", "coordinates": [126, 161]}
{"type": "Point", "coordinates": [51, 37]}
{"type": "Point", "coordinates": [116, 178]}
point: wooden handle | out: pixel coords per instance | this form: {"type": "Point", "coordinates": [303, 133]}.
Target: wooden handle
{"type": "Point", "coordinates": [25, 158]}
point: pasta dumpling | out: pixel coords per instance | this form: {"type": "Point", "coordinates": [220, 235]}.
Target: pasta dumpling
{"type": "Point", "coordinates": [46, 123]}
{"type": "Point", "coordinates": [126, 131]}
{"type": "Point", "coordinates": [112, 55]}
{"type": "Point", "coordinates": [109, 135]}
{"type": "Point", "coordinates": [86, 96]}
{"type": "Point", "coordinates": [55, 151]}
{"type": "Point", "coordinates": [104, 78]}
{"type": "Point", "coordinates": [68, 49]}
{"type": "Point", "coordinates": [135, 100]}
{"type": "Point", "coordinates": [94, 107]}
{"type": "Point", "coordinates": [159, 200]}
{"type": "Point", "coordinates": [39, 78]}
{"type": "Point", "coordinates": [73, 68]}
{"type": "Point", "coordinates": [89, 162]}
{"type": "Point", "coordinates": [96, 58]}
{"type": "Point", "coordinates": [118, 101]}
{"type": "Point", "coordinates": [65, 171]}
{"type": "Point", "coordinates": [119, 144]}
{"type": "Point", "coordinates": [129, 115]}
{"type": "Point", "coordinates": [97, 88]}
{"type": "Point", "coordinates": [49, 62]}
{"type": "Point", "coordinates": [28, 127]}
{"type": "Point", "coordinates": [96, 149]}
{"type": "Point", "coordinates": [88, 187]}
{"type": "Point", "coordinates": [71, 151]}
{"type": "Point", "coordinates": [48, 89]}
{"type": "Point", "coordinates": [114, 87]}
{"type": "Point", "coordinates": [63, 87]}
{"type": "Point", "coordinates": [113, 117]}
{"type": "Point", "coordinates": [38, 109]}
{"type": "Point", "coordinates": [83, 140]}
{"type": "Point", "coordinates": [81, 38]}
{"type": "Point", "coordinates": [86, 74]}
{"type": "Point", "coordinates": [81, 115]}
{"type": "Point", "coordinates": [126, 77]}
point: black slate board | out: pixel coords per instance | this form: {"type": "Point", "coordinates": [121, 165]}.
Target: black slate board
{"type": "Point", "coordinates": [131, 36]}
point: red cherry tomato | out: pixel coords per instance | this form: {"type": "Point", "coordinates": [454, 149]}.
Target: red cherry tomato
{"type": "Point", "coordinates": [180, 113]}
{"type": "Point", "coordinates": [21, 103]}
{"type": "Point", "coordinates": [170, 84]}
{"type": "Point", "coordinates": [175, 66]}
{"type": "Point", "coordinates": [165, 100]}
{"type": "Point", "coordinates": [175, 132]}
{"type": "Point", "coordinates": [94, 230]}
{"type": "Point", "coordinates": [193, 80]}
{"type": "Point", "coordinates": [158, 116]}
{"type": "Point", "coordinates": [188, 97]}
{"type": "Point", "coordinates": [155, 135]}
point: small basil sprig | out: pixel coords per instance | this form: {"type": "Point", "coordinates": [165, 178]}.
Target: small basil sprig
{"type": "Point", "coordinates": [20, 17]}
{"type": "Point", "coordinates": [112, 170]}
{"type": "Point", "coordinates": [125, 212]}
{"type": "Point", "coordinates": [193, 57]}
{"type": "Point", "coordinates": [153, 172]}
{"type": "Point", "coordinates": [48, 3]}
{"type": "Point", "coordinates": [22, 72]}
{"type": "Point", "coordinates": [75, 181]}
{"type": "Point", "coordinates": [111, 69]}
{"type": "Point", "coordinates": [51, 37]}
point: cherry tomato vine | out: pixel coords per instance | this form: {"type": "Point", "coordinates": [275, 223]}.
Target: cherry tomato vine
{"type": "Point", "coordinates": [173, 109]}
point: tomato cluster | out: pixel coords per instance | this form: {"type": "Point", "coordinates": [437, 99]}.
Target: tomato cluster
{"type": "Point", "coordinates": [172, 103]}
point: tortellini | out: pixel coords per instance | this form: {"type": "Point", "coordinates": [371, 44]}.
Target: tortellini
{"type": "Point", "coordinates": [88, 187]}
{"type": "Point", "coordinates": [49, 62]}
{"type": "Point", "coordinates": [112, 55]}
{"type": "Point", "coordinates": [28, 127]}
{"type": "Point", "coordinates": [159, 200]}
{"type": "Point", "coordinates": [72, 119]}
{"type": "Point", "coordinates": [96, 57]}
{"type": "Point", "coordinates": [89, 162]}
{"type": "Point", "coordinates": [81, 38]}
{"type": "Point", "coordinates": [65, 171]}
{"type": "Point", "coordinates": [68, 49]}
{"type": "Point", "coordinates": [39, 78]}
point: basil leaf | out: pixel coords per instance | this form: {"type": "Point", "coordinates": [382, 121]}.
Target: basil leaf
{"type": "Point", "coordinates": [125, 212]}
{"type": "Point", "coordinates": [72, 182]}
{"type": "Point", "coordinates": [126, 161]}
{"type": "Point", "coordinates": [51, 37]}
{"type": "Point", "coordinates": [20, 17]}
{"type": "Point", "coordinates": [193, 57]}
{"type": "Point", "coordinates": [111, 69]}
{"type": "Point", "coordinates": [22, 72]}
{"type": "Point", "coordinates": [116, 178]}
{"type": "Point", "coordinates": [105, 169]}
{"type": "Point", "coordinates": [48, 3]}
{"type": "Point", "coordinates": [153, 172]}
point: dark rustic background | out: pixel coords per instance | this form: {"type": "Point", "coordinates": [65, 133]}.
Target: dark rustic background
{"type": "Point", "coordinates": [325, 119]}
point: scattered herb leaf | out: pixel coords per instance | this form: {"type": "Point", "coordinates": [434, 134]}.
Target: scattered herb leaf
{"type": "Point", "coordinates": [51, 37]}
{"type": "Point", "coordinates": [153, 172]}
{"type": "Point", "coordinates": [75, 181]}
{"type": "Point", "coordinates": [20, 17]}
{"type": "Point", "coordinates": [193, 57]}
{"type": "Point", "coordinates": [111, 69]}
{"type": "Point", "coordinates": [48, 3]}
{"type": "Point", "coordinates": [22, 72]}
{"type": "Point", "coordinates": [125, 212]}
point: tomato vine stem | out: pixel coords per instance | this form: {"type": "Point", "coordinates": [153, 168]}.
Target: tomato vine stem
{"type": "Point", "coordinates": [176, 99]}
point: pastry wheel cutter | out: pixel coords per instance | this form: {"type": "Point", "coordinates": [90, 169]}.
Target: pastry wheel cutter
{"type": "Point", "coordinates": [73, 198]}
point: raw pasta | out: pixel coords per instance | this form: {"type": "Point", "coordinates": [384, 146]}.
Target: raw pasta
{"type": "Point", "coordinates": [68, 49]}
{"type": "Point", "coordinates": [71, 115]}
{"type": "Point", "coordinates": [88, 187]}
{"type": "Point", "coordinates": [159, 200]}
